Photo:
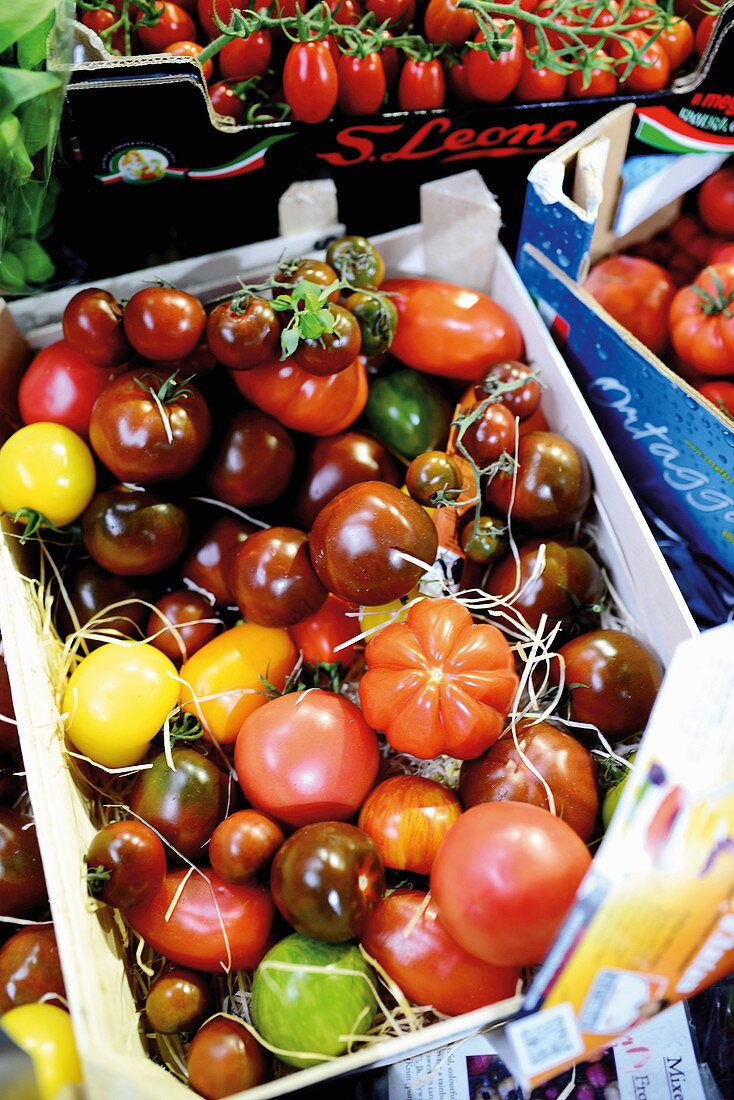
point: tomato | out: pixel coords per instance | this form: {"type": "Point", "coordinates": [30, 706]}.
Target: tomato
{"type": "Point", "coordinates": [323, 636]}
{"type": "Point", "coordinates": [407, 817]}
{"type": "Point", "coordinates": [273, 580]}
{"type": "Point", "coordinates": [22, 885]}
{"type": "Point", "coordinates": [49, 469]}
{"type": "Point", "coordinates": [163, 323]}
{"type": "Point", "coordinates": [599, 80]}
{"type": "Point", "coordinates": [224, 1058]}
{"type": "Point", "coordinates": [421, 84]}
{"type": "Point", "coordinates": [244, 844]}
{"type": "Point", "coordinates": [187, 48]}
{"type": "Point", "coordinates": [504, 878]}
{"type": "Point", "coordinates": [307, 757]}
{"type": "Point", "coordinates": [494, 80]}
{"type": "Point", "coordinates": [149, 425]}
{"type": "Point", "coordinates": [456, 79]}
{"type": "Point", "coordinates": [701, 324]}
{"type": "Point", "coordinates": [326, 880]}
{"type": "Point", "coordinates": [206, 567]}
{"type": "Point", "coordinates": [243, 58]}
{"type": "Point", "coordinates": [227, 101]}
{"type": "Point", "coordinates": [183, 798]}
{"type": "Point", "coordinates": [704, 30]}
{"type": "Point", "coordinates": [338, 461]}
{"type": "Point", "coordinates": [612, 680]}
{"type": "Point", "coordinates": [103, 606]}
{"type": "Point", "coordinates": [720, 394]}
{"type": "Point", "coordinates": [397, 14]}
{"type": "Point", "coordinates": [117, 699]}
{"type": "Point", "coordinates": [449, 330]}
{"type": "Point", "coordinates": [511, 768]}
{"type": "Point", "coordinates": [406, 937]}
{"type": "Point", "coordinates": [174, 24]}
{"type": "Point", "coordinates": [178, 1001]}
{"type": "Point", "coordinates": [715, 200]}
{"type": "Point", "coordinates": [126, 863]}
{"type": "Point", "coordinates": [224, 680]}
{"type": "Point", "coordinates": [362, 84]}
{"type": "Point", "coordinates": [513, 383]}
{"type": "Point", "coordinates": [438, 683]}
{"type": "Point", "coordinates": [551, 487]}
{"type": "Point", "coordinates": [214, 925]}
{"type": "Point", "coordinates": [489, 434]}
{"type": "Point", "coordinates": [567, 589]}
{"type": "Point", "coordinates": [652, 73]}
{"type": "Point", "coordinates": [255, 460]}
{"type": "Point", "coordinates": [206, 10]}
{"type": "Point", "coordinates": [334, 351]}
{"type": "Point", "coordinates": [431, 472]}
{"type": "Point", "coordinates": [677, 39]}
{"type": "Point", "coordinates": [310, 82]}
{"type": "Point", "coordinates": [243, 335]}
{"type": "Point", "coordinates": [100, 20]}
{"type": "Point", "coordinates": [637, 293]}
{"type": "Point", "coordinates": [539, 83]}
{"type": "Point", "coordinates": [312, 1008]}
{"type": "Point", "coordinates": [444, 21]}
{"type": "Point", "coordinates": [45, 1032]}
{"type": "Point", "coordinates": [30, 968]}
{"type": "Point", "coordinates": [484, 540]}
{"type": "Point", "coordinates": [302, 401]}
{"type": "Point", "coordinates": [92, 325]}
{"type": "Point", "coordinates": [181, 623]}
{"type": "Point", "coordinates": [345, 12]}
{"type": "Point", "coordinates": [60, 386]}
{"type": "Point", "coordinates": [133, 532]}
{"type": "Point", "coordinates": [292, 272]}
{"type": "Point", "coordinates": [359, 539]}
{"type": "Point", "coordinates": [408, 412]}
{"type": "Point", "coordinates": [8, 728]}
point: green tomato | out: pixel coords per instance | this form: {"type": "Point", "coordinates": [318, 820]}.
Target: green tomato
{"type": "Point", "coordinates": [309, 997]}
{"type": "Point", "coordinates": [408, 413]}
{"type": "Point", "coordinates": [611, 798]}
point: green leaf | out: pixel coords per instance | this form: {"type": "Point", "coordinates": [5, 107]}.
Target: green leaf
{"type": "Point", "coordinates": [18, 18]}
{"type": "Point", "coordinates": [15, 164]}
{"type": "Point", "coordinates": [18, 86]}
{"type": "Point", "coordinates": [39, 121]}
{"type": "Point", "coordinates": [289, 338]}
{"type": "Point", "coordinates": [32, 47]}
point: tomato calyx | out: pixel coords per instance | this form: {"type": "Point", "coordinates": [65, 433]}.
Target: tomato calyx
{"type": "Point", "coordinates": [167, 391]}
{"type": "Point", "coordinates": [96, 877]}
{"type": "Point", "coordinates": [34, 522]}
{"type": "Point", "coordinates": [714, 304]}
{"type": "Point", "coordinates": [326, 675]}
{"type": "Point", "coordinates": [185, 728]}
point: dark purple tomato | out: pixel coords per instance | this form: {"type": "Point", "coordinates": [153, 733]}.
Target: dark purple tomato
{"type": "Point", "coordinates": [8, 729]}
{"type": "Point", "coordinates": [102, 603]}
{"type": "Point", "coordinates": [182, 623]}
{"type": "Point", "coordinates": [22, 884]}
{"type": "Point", "coordinates": [224, 1058]}
{"type": "Point", "coordinates": [241, 336]}
{"type": "Point", "coordinates": [178, 1001]}
{"type": "Point", "coordinates": [551, 486]}
{"type": "Point", "coordinates": [92, 324]}
{"type": "Point", "coordinates": [126, 863]}
{"type": "Point", "coordinates": [207, 566]}
{"type": "Point", "coordinates": [255, 461]}
{"type": "Point", "coordinates": [291, 272]}
{"type": "Point", "coordinates": [333, 351]}
{"type": "Point", "coordinates": [164, 323]}
{"type": "Point", "coordinates": [338, 461]}
{"type": "Point", "coordinates": [273, 580]}
{"type": "Point", "coordinates": [30, 968]}
{"type": "Point", "coordinates": [484, 539]}
{"type": "Point", "coordinates": [133, 532]}
{"type": "Point", "coordinates": [491, 433]}
{"type": "Point", "coordinates": [326, 880]}
{"type": "Point", "coordinates": [517, 388]}
{"type": "Point", "coordinates": [244, 844]}
{"type": "Point", "coordinates": [432, 472]}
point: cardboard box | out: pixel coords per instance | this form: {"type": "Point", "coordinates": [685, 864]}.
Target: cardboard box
{"type": "Point", "coordinates": [214, 185]}
{"type": "Point", "coordinates": [97, 971]}
{"type": "Point", "coordinates": [675, 448]}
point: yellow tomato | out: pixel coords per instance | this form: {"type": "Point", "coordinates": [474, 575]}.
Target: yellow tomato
{"type": "Point", "coordinates": [225, 679]}
{"type": "Point", "coordinates": [47, 468]}
{"type": "Point", "coordinates": [374, 618]}
{"type": "Point", "coordinates": [44, 1031]}
{"type": "Point", "coordinates": [117, 699]}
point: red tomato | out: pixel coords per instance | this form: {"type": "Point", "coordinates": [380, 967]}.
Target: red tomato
{"type": "Point", "coordinates": [214, 925]}
{"type": "Point", "coordinates": [677, 39]}
{"type": "Point", "coordinates": [492, 81]}
{"type": "Point", "coordinates": [407, 938]}
{"type": "Point", "coordinates": [438, 683]}
{"type": "Point", "coordinates": [92, 323]}
{"type": "Point", "coordinates": [408, 816]}
{"type": "Point", "coordinates": [421, 85]}
{"type": "Point", "coordinates": [191, 49]}
{"type": "Point", "coordinates": [651, 75]}
{"type": "Point", "coordinates": [716, 201]}
{"type": "Point", "coordinates": [362, 84]}
{"type": "Point", "coordinates": [310, 82]}
{"type": "Point", "coordinates": [637, 293]}
{"type": "Point", "coordinates": [30, 968]}
{"type": "Point", "coordinates": [504, 879]}
{"type": "Point", "coordinates": [322, 637]}
{"type": "Point", "coordinates": [449, 330]}
{"type": "Point", "coordinates": [444, 21]}
{"type": "Point", "coordinates": [307, 756]}
{"type": "Point", "coordinates": [254, 462]}
{"type": "Point", "coordinates": [539, 84]}
{"type": "Point", "coordinates": [704, 30]}
{"type": "Point", "coordinates": [243, 58]}
{"type": "Point", "coordinates": [224, 1058]}
{"type": "Point", "coordinates": [174, 25]}
{"type": "Point", "coordinates": [162, 322]}
{"type": "Point", "coordinates": [701, 323]}
{"type": "Point", "coordinates": [206, 9]}
{"type": "Point", "coordinates": [550, 488]}
{"type": "Point", "coordinates": [126, 863]}
{"type": "Point", "coordinates": [398, 14]}
{"type": "Point", "coordinates": [60, 386]}
{"type": "Point", "coordinates": [304, 402]}
{"type": "Point", "coordinates": [243, 844]}
{"type": "Point", "coordinates": [456, 80]}
{"type": "Point", "coordinates": [721, 394]}
{"type": "Point", "coordinates": [100, 20]}
{"type": "Point", "coordinates": [181, 623]}
{"type": "Point", "coordinates": [226, 101]}
{"type": "Point", "coordinates": [601, 80]}
{"type": "Point", "coordinates": [207, 566]}
{"type": "Point", "coordinates": [335, 463]}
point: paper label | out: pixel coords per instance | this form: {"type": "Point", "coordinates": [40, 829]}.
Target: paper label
{"type": "Point", "coordinates": [657, 1061]}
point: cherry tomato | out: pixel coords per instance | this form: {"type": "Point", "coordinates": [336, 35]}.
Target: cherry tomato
{"type": "Point", "coordinates": [92, 325]}
{"type": "Point", "coordinates": [292, 272]}
{"type": "Point", "coordinates": [60, 386]}
{"type": "Point", "coordinates": [637, 293]}
{"type": "Point", "coordinates": [207, 9]}
{"type": "Point", "coordinates": [181, 623]}
{"type": "Point", "coordinates": [187, 48]}
{"type": "Point", "coordinates": [49, 469]}
{"type": "Point", "coordinates": [242, 337]}
{"type": "Point", "coordinates": [484, 539]}
{"type": "Point", "coordinates": [133, 532]}
{"type": "Point", "coordinates": [359, 538]}
{"type": "Point", "coordinates": [509, 771]}
{"type": "Point", "coordinates": [22, 885]}
{"type": "Point", "coordinates": [551, 485]}
{"type": "Point", "coordinates": [677, 39]}
{"type": "Point", "coordinates": [322, 636]}
{"type": "Point", "coordinates": [701, 325]}
{"type": "Point", "coordinates": [600, 80]}
{"type": "Point", "coordinates": [307, 757]}
{"type": "Point", "coordinates": [243, 58]}
{"type": "Point", "coordinates": [310, 82]}
{"type": "Point", "coordinates": [514, 384]}
{"type": "Point", "coordinates": [421, 85]}
{"type": "Point", "coordinates": [431, 472]}
{"type": "Point", "coordinates": [244, 844]}
{"type": "Point", "coordinates": [224, 1058]}
{"type": "Point", "coordinates": [494, 80]}
{"type": "Point", "coordinates": [720, 394]}
{"type": "Point", "coordinates": [456, 80]}
{"type": "Point", "coordinates": [178, 1001]}
{"type": "Point", "coordinates": [407, 817]}
{"type": "Point", "coordinates": [226, 100]}
{"type": "Point", "coordinates": [362, 84]}
{"type": "Point", "coordinates": [103, 606]}
{"type": "Point", "coordinates": [704, 30]}
{"type": "Point", "coordinates": [334, 351]}
{"type": "Point", "coordinates": [174, 24]}
{"type": "Point", "coordinates": [650, 75]}
{"type": "Point", "coordinates": [357, 261]}
{"type": "Point", "coordinates": [397, 14]}
{"type": "Point", "coordinates": [30, 968]}
{"type": "Point", "coordinates": [273, 580]}
{"type": "Point", "coordinates": [504, 878]}
{"type": "Point", "coordinates": [224, 681]}
{"type": "Point", "coordinates": [490, 434]}
{"type": "Point", "coordinates": [539, 83]}
{"type": "Point", "coordinates": [715, 200]}
{"type": "Point", "coordinates": [100, 20]}
{"type": "Point", "coordinates": [162, 322]}
{"type": "Point", "coordinates": [45, 1032]}
{"type": "Point", "coordinates": [406, 936]}
{"type": "Point", "coordinates": [255, 460]}
{"type": "Point", "coordinates": [126, 863]}
{"type": "Point", "coordinates": [338, 461]}
{"type": "Point", "coordinates": [444, 21]}
{"type": "Point", "coordinates": [207, 566]}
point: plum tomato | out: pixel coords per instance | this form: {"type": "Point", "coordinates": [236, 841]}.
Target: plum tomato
{"type": "Point", "coordinates": [22, 883]}
{"type": "Point", "coordinates": [30, 968]}
{"type": "Point", "coordinates": [214, 925]}
{"type": "Point", "coordinates": [254, 462]}
{"type": "Point", "coordinates": [334, 463]}
{"type": "Point", "coordinates": [178, 1001]}
{"type": "Point", "coordinates": [49, 469]}
{"type": "Point", "coordinates": [637, 293]}
{"type": "Point", "coordinates": [406, 936]}
{"type": "Point", "coordinates": [225, 1058]}
{"type": "Point", "coordinates": [164, 323]}
{"type": "Point", "coordinates": [504, 878]}
{"type": "Point", "coordinates": [92, 324]}
{"type": "Point", "coordinates": [312, 1008]}
{"type": "Point", "coordinates": [242, 334]}
{"type": "Point", "coordinates": [551, 486]}
{"type": "Point", "coordinates": [243, 844]}
{"type": "Point", "coordinates": [133, 532]}
{"type": "Point", "coordinates": [323, 637]}
{"type": "Point", "coordinates": [510, 769]}
{"type": "Point", "coordinates": [612, 679]}
{"type": "Point", "coordinates": [334, 350]}
{"type": "Point", "coordinates": [206, 567]}
{"type": "Point", "coordinates": [60, 386]}
{"type": "Point", "coordinates": [246, 57]}
{"type": "Point", "coordinates": [407, 817]}
{"type": "Point", "coordinates": [307, 756]}
{"type": "Point", "coordinates": [225, 680]}
{"type": "Point", "coordinates": [174, 24]}
{"type": "Point", "coordinates": [183, 803]}
{"type": "Point", "coordinates": [273, 580]}
{"type": "Point", "coordinates": [326, 880]}
{"type": "Point", "coordinates": [126, 863]}
{"type": "Point", "coordinates": [360, 541]}
{"type": "Point", "coordinates": [181, 623]}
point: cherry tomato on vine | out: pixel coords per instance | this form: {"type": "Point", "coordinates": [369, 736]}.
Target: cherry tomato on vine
{"type": "Point", "coordinates": [164, 323]}
{"type": "Point", "coordinates": [715, 201]}
{"type": "Point", "coordinates": [100, 20]}
{"type": "Point", "coordinates": [494, 80]}
{"type": "Point", "coordinates": [377, 318]}
{"type": "Point", "coordinates": [60, 386]}
{"type": "Point", "coordinates": [186, 48]}
{"type": "Point", "coordinates": [291, 272]}
{"type": "Point", "coordinates": [174, 25]}
{"type": "Point", "coordinates": [430, 472]}
{"type": "Point", "coordinates": [310, 82]}
{"type": "Point", "coordinates": [207, 9]}
{"type": "Point", "coordinates": [653, 72]}
{"type": "Point", "coordinates": [92, 324]}
{"type": "Point", "coordinates": [48, 469]}
{"type": "Point", "coordinates": [704, 30]}
{"type": "Point", "coordinates": [126, 863]}
{"type": "Point", "coordinates": [243, 58]}
{"type": "Point", "coordinates": [518, 387]}
{"type": "Point", "coordinates": [226, 101]}
{"type": "Point", "coordinates": [241, 336]}
{"type": "Point", "coordinates": [398, 14]}
{"type": "Point", "coordinates": [599, 80]}
{"type": "Point", "coordinates": [362, 84]}
{"type": "Point", "coordinates": [333, 351]}
{"type": "Point", "coordinates": [539, 83]}
{"type": "Point", "coordinates": [421, 85]}
{"type": "Point", "coordinates": [677, 39]}
{"type": "Point", "coordinates": [444, 21]}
